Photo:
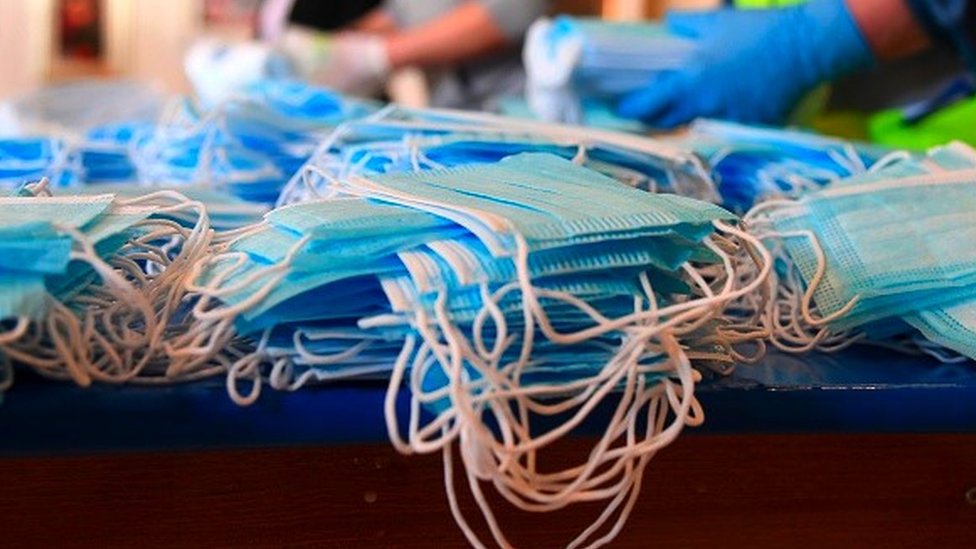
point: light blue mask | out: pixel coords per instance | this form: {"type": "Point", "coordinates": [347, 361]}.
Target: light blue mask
{"type": "Point", "coordinates": [588, 208]}
{"type": "Point", "coordinates": [396, 140]}
{"type": "Point", "coordinates": [366, 258]}
{"type": "Point", "coordinates": [952, 326]}
{"type": "Point", "coordinates": [33, 249]}
{"type": "Point", "coordinates": [594, 60]}
{"type": "Point", "coordinates": [897, 244]}
{"type": "Point", "coordinates": [753, 163]}
{"type": "Point", "coordinates": [30, 159]}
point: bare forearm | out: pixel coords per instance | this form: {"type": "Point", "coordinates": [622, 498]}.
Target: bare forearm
{"type": "Point", "coordinates": [465, 32]}
{"type": "Point", "coordinates": [889, 27]}
{"type": "Point", "coordinates": [378, 21]}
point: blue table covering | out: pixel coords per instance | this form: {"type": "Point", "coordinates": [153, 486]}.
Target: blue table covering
{"type": "Point", "coordinates": [860, 390]}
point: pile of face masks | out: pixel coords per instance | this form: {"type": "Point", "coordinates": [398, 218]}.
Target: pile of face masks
{"type": "Point", "coordinates": [31, 159]}
{"type": "Point", "coordinates": [874, 255]}
{"type": "Point", "coordinates": [92, 288]}
{"type": "Point", "coordinates": [508, 296]}
{"type": "Point", "coordinates": [578, 64]}
{"type": "Point", "coordinates": [397, 140]}
{"type": "Point", "coordinates": [249, 146]}
{"type": "Point", "coordinates": [514, 275]}
{"type": "Point", "coordinates": [750, 164]}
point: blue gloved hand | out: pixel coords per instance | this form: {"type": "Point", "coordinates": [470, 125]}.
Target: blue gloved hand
{"type": "Point", "coordinates": [751, 65]}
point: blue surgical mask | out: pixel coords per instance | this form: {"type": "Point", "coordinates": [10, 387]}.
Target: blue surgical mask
{"type": "Point", "coordinates": [397, 140]}
{"type": "Point", "coordinates": [578, 60]}
{"type": "Point", "coordinates": [891, 240]}
{"type": "Point", "coordinates": [754, 163]}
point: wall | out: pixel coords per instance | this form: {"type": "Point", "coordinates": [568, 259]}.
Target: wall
{"type": "Point", "coordinates": [25, 42]}
{"type": "Point", "coordinates": [145, 40]}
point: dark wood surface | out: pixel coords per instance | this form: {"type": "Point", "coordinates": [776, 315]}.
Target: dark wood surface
{"type": "Point", "coordinates": [705, 491]}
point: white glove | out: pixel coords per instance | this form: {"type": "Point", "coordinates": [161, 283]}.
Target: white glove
{"type": "Point", "coordinates": [219, 70]}
{"type": "Point", "coordinates": [351, 63]}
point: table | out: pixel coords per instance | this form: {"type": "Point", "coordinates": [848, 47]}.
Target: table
{"type": "Point", "coordinates": [861, 448]}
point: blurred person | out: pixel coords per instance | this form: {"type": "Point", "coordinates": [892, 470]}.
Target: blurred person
{"type": "Point", "coordinates": [469, 49]}
{"type": "Point", "coordinates": [755, 65]}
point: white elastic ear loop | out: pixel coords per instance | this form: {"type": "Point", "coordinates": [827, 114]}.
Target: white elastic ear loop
{"type": "Point", "coordinates": [628, 491]}
{"type": "Point", "coordinates": [491, 309]}
{"type": "Point", "coordinates": [459, 349]}
{"type": "Point", "coordinates": [114, 283]}
{"type": "Point", "coordinates": [486, 511]}
{"type": "Point", "coordinates": [455, 362]}
{"type": "Point", "coordinates": [818, 275]}
{"type": "Point", "coordinates": [15, 333]}
{"type": "Point", "coordinates": [551, 498]}
{"type": "Point", "coordinates": [612, 430]}
{"type": "Point", "coordinates": [248, 365]}
{"type": "Point", "coordinates": [274, 275]}
{"type": "Point", "coordinates": [608, 325]}
{"type": "Point", "coordinates": [610, 384]}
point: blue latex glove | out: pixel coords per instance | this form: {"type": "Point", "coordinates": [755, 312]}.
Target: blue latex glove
{"type": "Point", "coordinates": [751, 65]}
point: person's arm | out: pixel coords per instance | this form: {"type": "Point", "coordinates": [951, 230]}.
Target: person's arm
{"type": "Point", "coordinates": [472, 29]}
{"type": "Point", "coordinates": [465, 32]}
{"type": "Point", "coordinates": [358, 62]}
{"type": "Point", "coordinates": [755, 65]}
{"type": "Point", "coordinates": [889, 27]}
{"type": "Point", "coordinates": [378, 21]}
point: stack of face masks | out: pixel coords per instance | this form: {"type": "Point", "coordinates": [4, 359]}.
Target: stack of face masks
{"type": "Point", "coordinates": [225, 212]}
{"type": "Point", "coordinates": [30, 159]}
{"type": "Point", "coordinates": [576, 64]}
{"type": "Point", "coordinates": [753, 163]}
{"type": "Point", "coordinates": [105, 154]}
{"type": "Point", "coordinates": [875, 253]}
{"type": "Point", "coordinates": [512, 298]}
{"type": "Point", "coordinates": [249, 146]}
{"type": "Point", "coordinates": [92, 288]}
{"type": "Point", "coordinates": [399, 140]}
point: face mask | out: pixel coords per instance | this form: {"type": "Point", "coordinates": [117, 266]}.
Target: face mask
{"type": "Point", "coordinates": [952, 326]}
{"type": "Point", "coordinates": [753, 163]}
{"type": "Point", "coordinates": [104, 155]}
{"type": "Point", "coordinates": [72, 212]}
{"type": "Point", "coordinates": [225, 211]}
{"type": "Point", "coordinates": [30, 159]}
{"type": "Point", "coordinates": [315, 244]}
{"type": "Point", "coordinates": [203, 158]}
{"type": "Point", "coordinates": [879, 245]}
{"type": "Point", "coordinates": [34, 249]}
{"type": "Point", "coordinates": [116, 309]}
{"type": "Point", "coordinates": [300, 102]}
{"type": "Point", "coordinates": [396, 140]}
{"type": "Point", "coordinates": [546, 218]}
{"type": "Point", "coordinates": [572, 60]}
{"type": "Point", "coordinates": [901, 240]}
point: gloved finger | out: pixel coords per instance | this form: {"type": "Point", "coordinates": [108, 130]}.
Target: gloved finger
{"type": "Point", "coordinates": [692, 23]}
{"type": "Point", "coordinates": [649, 102]}
{"type": "Point", "coordinates": [678, 114]}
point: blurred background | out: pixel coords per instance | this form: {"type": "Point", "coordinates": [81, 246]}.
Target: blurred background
{"type": "Point", "coordinates": [47, 41]}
